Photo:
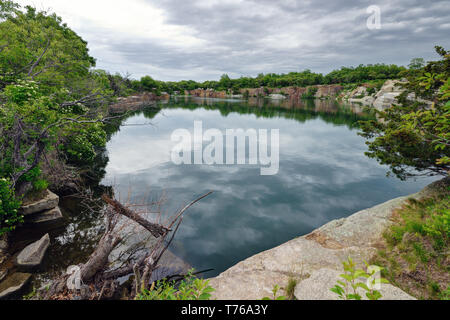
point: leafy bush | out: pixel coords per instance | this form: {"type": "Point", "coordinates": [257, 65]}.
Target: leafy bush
{"type": "Point", "coordinates": [347, 289]}
{"type": "Point", "coordinates": [416, 256]}
{"type": "Point", "coordinates": [310, 94]}
{"type": "Point", "coordinates": [438, 227]}
{"type": "Point", "coordinates": [370, 91]}
{"type": "Point", "coordinates": [9, 216]}
{"type": "Point", "coordinates": [191, 288]}
{"type": "Point", "coordinates": [82, 142]}
{"type": "Point", "coordinates": [40, 185]}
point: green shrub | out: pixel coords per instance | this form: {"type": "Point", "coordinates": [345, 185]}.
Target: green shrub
{"type": "Point", "coordinates": [40, 185]}
{"type": "Point", "coordinates": [346, 289]}
{"type": "Point", "coordinates": [191, 288]}
{"type": "Point", "coordinates": [310, 94]}
{"type": "Point", "coordinates": [370, 91]}
{"type": "Point", "coordinates": [9, 216]}
{"type": "Point", "coordinates": [438, 227]}
{"type": "Point", "coordinates": [290, 288]}
{"type": "Point", "coordinates": [418, 247]}
{"type": "Point", "coordinates": [445, 295]}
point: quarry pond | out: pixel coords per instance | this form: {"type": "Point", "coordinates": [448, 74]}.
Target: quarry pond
{"type": "Point", "coordinates": [323, 175]}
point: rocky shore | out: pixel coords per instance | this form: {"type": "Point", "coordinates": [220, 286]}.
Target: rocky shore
{"type": "Point", "coordinates": [17, 266]}
{"type": "Point", "coordinates": [315, 260]}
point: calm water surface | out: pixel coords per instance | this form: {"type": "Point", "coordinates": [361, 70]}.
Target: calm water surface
{"type": "Point", "coordinates": [323, 175]}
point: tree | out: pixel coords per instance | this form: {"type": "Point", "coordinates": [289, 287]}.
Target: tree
{"type": "Point", "coordinates": [40, 46]}
{"type": "Point", "coordinates": [47, 95]}
{"type": "Point", "coordinates": [413, 136]}
{"type": "Point", "coordinates": [416, 64]}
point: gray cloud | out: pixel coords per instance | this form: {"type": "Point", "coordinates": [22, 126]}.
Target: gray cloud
{"type": "Point", "coordinates": [248, 37]}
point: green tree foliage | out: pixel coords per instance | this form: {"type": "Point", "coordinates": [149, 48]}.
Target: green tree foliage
{"type": "Point", "coordinates": [416, 252]}
{"type": "Point", "coordinates": [356, 280]}
{"type": "Point", "coordinates": [38, 45]}
{"type": "Point", "coordinates": [416, 64]}
{"type": "Point", "coordinates": [191, 288]}
{"type": "Point", "coordinates": [413, 137]}
{"type": "Point", "coordinates": [9, 215]}
{"type": "Point", "coordinates": [305, 78]}
{"type": "Point", "coordinates": [48, 93]}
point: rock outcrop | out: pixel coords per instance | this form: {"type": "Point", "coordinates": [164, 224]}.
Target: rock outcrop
{"type": "Point", "coordinates": [12, 286]}
{"type": "Point", "coordinates": [388, 94]}
{"type": "Point", "coordinates": [136, 102]}
{"type": "Point", "coordinates": [317, 256]}
{"type": "Point", "coordinates": [33, 255]}
{"type": "Point", "coordinates": [44, 210]}
{"type": "Point", "coordinates": [323, 91]}
{"type": "Point", "coordinates": [49, 216]}
{"type": "Point", "coordinates": [49, 201]}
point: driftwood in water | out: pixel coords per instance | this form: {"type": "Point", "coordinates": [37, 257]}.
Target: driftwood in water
{"type": "Point", "coordinates": [100, 282]}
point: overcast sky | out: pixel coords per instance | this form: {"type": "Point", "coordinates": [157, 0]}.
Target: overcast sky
{"type": "Point", "coordinates": [203, 39]}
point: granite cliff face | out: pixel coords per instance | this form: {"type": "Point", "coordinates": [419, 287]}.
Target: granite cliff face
{"type": "Point", "coordinates": [381, 99]}
{"type": "Point", "coordinates": [134, 103]}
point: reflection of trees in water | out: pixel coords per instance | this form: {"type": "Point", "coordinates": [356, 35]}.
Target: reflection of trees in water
{"type": "Point", "coordinates": [301, 110]}
{"type": "Point", "coordinates": [73, 243]}
{"type": "Point", "coordinates": [78, 240]}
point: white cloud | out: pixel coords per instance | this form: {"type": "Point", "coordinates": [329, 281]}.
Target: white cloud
{"type": "Point", "coordinates": [202, 39]}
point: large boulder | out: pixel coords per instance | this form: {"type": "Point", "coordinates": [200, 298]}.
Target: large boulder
{"type": "Point", "coordinates": [388, 94]}
{"type": "Point", "coordinates": [49, 201]}
{"type": "Point", "coordinates": [318, 285]}
{"type": "Point", "coordinates": [33, 255]}
{"type": "Point", "coordinates": [49, 216]}
{"type": "Point", "coordinates": [13, 285]}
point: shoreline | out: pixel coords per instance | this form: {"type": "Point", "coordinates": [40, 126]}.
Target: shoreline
{"type": "Point", "coordinates": [316, 259]}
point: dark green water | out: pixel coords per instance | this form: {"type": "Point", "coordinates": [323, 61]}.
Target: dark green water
{"type": "Point", "coordinates": [323, 175]}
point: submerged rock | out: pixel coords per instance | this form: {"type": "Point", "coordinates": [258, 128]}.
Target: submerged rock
{"type": "Point", "coordinates": [13, 285]}
{"type": "Point", "coordinates": [50, 201]}
{"type": "Point", "coordinates": [32, 255]}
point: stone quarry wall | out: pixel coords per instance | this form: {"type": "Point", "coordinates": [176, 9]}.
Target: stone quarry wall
{"type": "Point", "coordinates": [135, 102]}
{"type": "Point", "coordinates": [323, 91]}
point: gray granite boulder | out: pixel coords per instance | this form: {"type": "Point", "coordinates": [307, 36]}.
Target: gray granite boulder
{"type": "Point", "coordinates": [13, 285]}
{"type": "Point", "coordinates": [48, 216]}
{"type": "Point", "coordinates": [50, 201]}
{"type": "Point", "coordinates": [32, 255]}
